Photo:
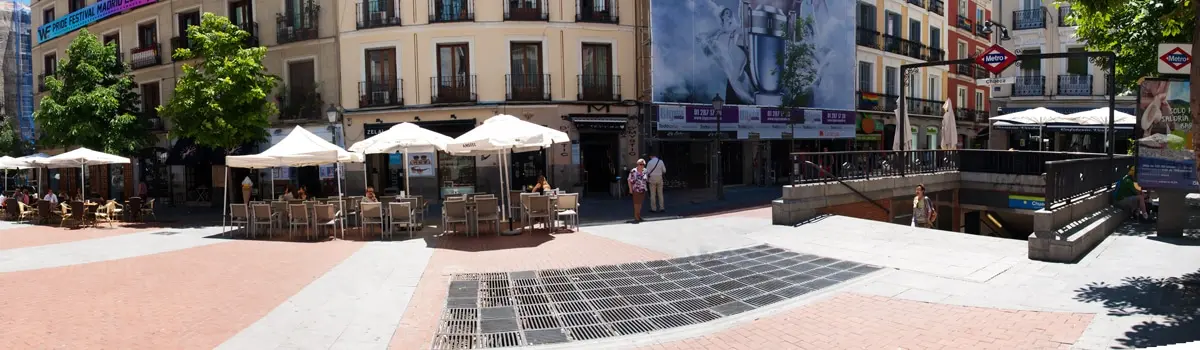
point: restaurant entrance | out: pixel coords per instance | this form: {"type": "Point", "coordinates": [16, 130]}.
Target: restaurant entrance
{"type": "Point", "coordinates": [599, 160]}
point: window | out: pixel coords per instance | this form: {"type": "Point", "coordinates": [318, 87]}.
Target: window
{"type": "Point", "coordinates": [382, 85]}
{"type": "Point", "coordinates": [48, 15]}
{"type": "Point", "coordinates": [301, 88]}
{"type": "Point", "coordinates": [962, 50]}
{"type": "Point", "coordinates": [187, 20]}
{"type": "Point", "coordinates": [962, 7]}
{"type": "Point", "coordinates": [49, 64]}
{"type": "Point", "coordinates": [454, 72]}
{"type": "Point", "coordinates": [241, 13]}
{"type": "Point", "coordinates": [978, 16]}
{"type": "Point", "coordinates": [891, 80]}
{"type": "Point", "coordinates": [865, 79]}
{"type": "Point", "coordinates": [597, 80]}
{"type": "Point", "coordinates": [892, 24]}
{"type": "Point", "coordinates": [1031, 4]}
{"type": "Point", "coordinates": [150, 99]}
{"type": "Point", "coordinates": [1031, 67]}
{"type": "Point", "coordinates": [75, 5]}
{"type": "Point", "coordinates": [914, 89]}
{"type": "Point", "coordinates": [962, 97]}
{"type": "Point", "coordinates": [914, 30]}
{"type": "Point", "coordinates": [451, 10]}
{"type": "Point", "coordinates": [114, 39]}
{"type": "Point", "coordinates": [931, 138]}
{"type": "Point", "coordinates": [866, 16]}
{"type": "Point", "coordinates": [526, 67]}
{"type": "Point", "coordinates": [147, 35]}
{"type": "Point", "coordinates": [979, 105]}
{"type": "Point", "coordinates": [934, 88]}
{"type": "Point", "coordinates": [1077, 66]}
{"type": "Point", "coordinates": [935, 37]}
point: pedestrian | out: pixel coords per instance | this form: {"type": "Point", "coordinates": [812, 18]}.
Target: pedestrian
{"type": "Point", "coordinates": [637, 188]}
{"type": "Point", "coordinates": [655, 176]}
{"type": "Point", "coordinates": [924, 214]}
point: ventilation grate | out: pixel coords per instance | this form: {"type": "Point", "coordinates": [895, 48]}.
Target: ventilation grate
{"type": "Point", "coordinates": [589, 332]}
{"type": "Point", "coordinates": [501, 340]}
{"type": "Point", "coordinates": [632, 327]}
{"type": "Point", "coordinates": [573, 307]}
{"type": "Point", "coordinates": [540, 322]}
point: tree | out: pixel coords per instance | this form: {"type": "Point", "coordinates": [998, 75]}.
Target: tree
{"type": "Point", "coordinates": [797, 72]}
{"type": "Point", "coordinates": [222, 101]}
{"type": "Point", "coordinates": [11, 143]}
{"type": "Point", "coordinates": [91, 102]}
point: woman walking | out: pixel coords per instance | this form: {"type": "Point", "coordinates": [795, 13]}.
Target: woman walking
{"type": "Point", "coordinates": [924, 214]}
{"type": "Point", "coordinates": [637, 188]}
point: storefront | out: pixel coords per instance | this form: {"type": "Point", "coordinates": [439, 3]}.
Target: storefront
{"type": "Point", "coordinates": [599, 150]}
{"type": "Point", "coordinates": [431, 174]}
{"type": "Point", "coordinates": [868, 133]}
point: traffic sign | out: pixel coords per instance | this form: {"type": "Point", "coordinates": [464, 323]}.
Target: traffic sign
{"type": "Point", "coordinates": [996, 81]}
{"type": "Point", "coordinates": [995, 59]}
{"type": "Point", "coordinates": [1174, 58]}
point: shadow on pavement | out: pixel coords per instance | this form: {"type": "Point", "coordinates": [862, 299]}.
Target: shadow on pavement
{"type": "Point", "coordinates": [1177, 299]}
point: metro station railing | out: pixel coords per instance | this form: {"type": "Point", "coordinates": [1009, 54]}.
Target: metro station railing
{"type": "Point", "coordinates": [1074, 179]}
{"type": "Point", "coordinates": [851, 165]}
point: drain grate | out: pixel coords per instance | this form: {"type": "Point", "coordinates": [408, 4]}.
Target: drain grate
{"type": "Point", "coordinates": [496, 309]}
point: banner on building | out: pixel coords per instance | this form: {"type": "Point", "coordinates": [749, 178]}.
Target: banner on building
{"type": "Point", "coordinates": [91, 14]}
{"type": "Point", "coordinates": [767, 122]}
{"type": "Point", "coordinates": [1166, 157]}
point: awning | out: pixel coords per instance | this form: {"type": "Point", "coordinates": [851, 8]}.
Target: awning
{"type": "Point", "coordinates": [1064, 110]}
{"type": "Point", "coordinates": [599, 122]}
{"type": "Point", "coordinates": [1012, 126]}
{"type": "Point", "coordinates": [187, 152]}
{"type": "Point", "coordinates": [1087, 128]}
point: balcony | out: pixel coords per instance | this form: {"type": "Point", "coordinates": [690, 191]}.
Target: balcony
{"type": "Point", "coordinates": [936, 54]}
{"type": "Point", "coordinates": [913, 49]}
{"type": "Point", "coordinates": [179, 42]}
{"type": "Point", "coordinates": [599, 87]}
{"type": "Point", "coordinates": [297, 25]}
{"type": "Point", "coordinates": [964, 69]}
{"type": "Point", "coordinates": [981, 32]}
{"type": "Point", "coordinates": [868, 38]}
{"type": "Point", "coordinates": [965, 23]}
{"type": "Point", "coordinates": [41, 86]}
{"type": "Point", "coordinates": [1074, 85]}
{"type": "Point", "coordinates": [924, 106]}
{"type": "Point", "coordinates": [981, 116]}
{"type": "Point", "coordinates": [981, 73]}
{"type": "Point", "coordinates": [964, 114]}
{"type": "Point", "coordinates": [142, 57]}
{"type": "Point", "coordinates": [1066, 17]}
{"type": "Point", "coordinates": [526, 10]}
{"type": "Point", "coordinates": [937, 7]}
{"type": "Point", "coordinates": [380, 93]}
{"type": "Point", "coordinates": [1029, 19]}
{"type": "Point", "coordinates": [445, 11]}
{"type": "Point", "coordinates": [376, 14]}
{"type": "Point", "coordinates": [527, 87]}
{"type": "Point", "coordinates": [919, 3]}
{"type": "Point", "coordinates": [1029, 85]}
{"type": "Point", "coordinates": [871, 101]}
{"type": "Point", "coordinates": [597, 11]}
{"type": "Point", "coordinates": [453, 89]}
{"type": "Point", "coordinates": [252, 28]}
{"type": "Point", "coordinates": [152, 120]}
{"type": "Point", "coordinates": [891, 43]}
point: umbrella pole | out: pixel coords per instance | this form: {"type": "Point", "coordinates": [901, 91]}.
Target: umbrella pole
{"type": "Point", "coordinates": [272, 183]}
{"type": "Point", "coordinates": [341, 202]}
{"type": "Point", "coordinates": [366, 182]}
{"type": "Point", "coordinates": [406, 173]}
{"type": "Point", "coordinates": [225, 200]}
{"type": "Point", "coordinates": [82, 183]}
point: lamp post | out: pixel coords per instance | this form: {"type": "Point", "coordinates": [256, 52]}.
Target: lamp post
{"type": "Point", "coordinates": [718, 105]}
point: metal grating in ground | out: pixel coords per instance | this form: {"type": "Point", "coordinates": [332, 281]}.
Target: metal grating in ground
{"type": "Point", "coordinates": [492, 310]}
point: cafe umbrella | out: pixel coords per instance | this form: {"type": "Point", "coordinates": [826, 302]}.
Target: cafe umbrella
{"type": "Point", "coordinates": [403, 137]}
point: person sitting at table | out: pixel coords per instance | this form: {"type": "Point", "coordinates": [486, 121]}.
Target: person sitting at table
{"type": "Point", "coordinates": [301, 194]}
{"type": "Point", "coordinates": [541, 186]}
{"type": "Point", "coordinates": [370, 197]}
{"type": "Point", "coordinates": [51, 197]}
{"type": "Point", "coordinates": [287, 194]}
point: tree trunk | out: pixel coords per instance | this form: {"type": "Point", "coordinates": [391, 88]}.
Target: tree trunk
{"type": "Point", "coordinates": [1195, 77]}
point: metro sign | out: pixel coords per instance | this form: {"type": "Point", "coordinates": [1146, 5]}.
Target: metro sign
{"type": "Point", "coordinates": [995, 59]}
{"type": "Point", "coordinates": [1176, 58]}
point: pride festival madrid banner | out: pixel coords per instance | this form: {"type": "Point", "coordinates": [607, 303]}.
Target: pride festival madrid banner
{"type": "Point", "coordinates": [73, 21]}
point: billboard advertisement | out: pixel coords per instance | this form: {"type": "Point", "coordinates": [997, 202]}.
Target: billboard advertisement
{"type": "Point", "coordinates": [1165, 156]}
{"type": "Point", "coordinates": [736, 49]}
{"type": "Point", "coordinates": [767, 122]}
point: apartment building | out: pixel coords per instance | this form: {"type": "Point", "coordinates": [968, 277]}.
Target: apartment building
{"type": "Point", "coordinates": [1064, 85]}
{"type": "Point", "coordinates": [301, 50]}
{"type": "Point", "coordinates": [448, 65]}
{"type": "Point", "coordinates": [968, 38]}
{"type": "Point", "coordinates": [891, 33]}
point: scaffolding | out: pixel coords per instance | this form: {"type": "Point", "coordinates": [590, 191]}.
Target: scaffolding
{"type": "Point", "coordinates": [17, 67]}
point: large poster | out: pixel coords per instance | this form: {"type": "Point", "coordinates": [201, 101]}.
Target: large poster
{"type": "Point", "coordinates": [734, 48]}
{"type": "Point", "coordinates": [1165, 156]}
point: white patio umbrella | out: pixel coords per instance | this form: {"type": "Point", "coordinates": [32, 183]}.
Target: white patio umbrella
{"type": "Point", "coordinates": [9, 163]}
{"type": "Point", "coordinates": [406, 137]}
{"type": "Point", "coordinates": [949, 127]}
{"type": "Point", "coordinates": [81, 157]}
{"type": "Point", "coordinates": [299, 148]}
{"type": "Point", "coordinates": [1099, 117]}
{"type": "Point", "coordinates": [505, 133]}
{"type": "Point", "coordinates": [897, 144]}
{"type": "Point", "coordinates": [1037, 116]}
{"type": "Point", "coordinates": [28, 160]}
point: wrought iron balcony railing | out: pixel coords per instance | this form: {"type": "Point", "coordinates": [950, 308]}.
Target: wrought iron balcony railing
{"type": "Point", "coordinates": [1029, 19]}
{"type": "Point", "coordinates": [453, 89]}
{"type": "Point", "coordinates": [965, 23]}
{"type": "Point", "coordinates": [526, 10]}
{"type": "Point", "coordinates": [891, 43]}
{"type": "Point", "coordinates": [964, 69]}
{"type": "Point", "coordinates": [599, 87]}
{"type": "Point", "coordinates": [377, 93]}
{"type": "Point", "coordinates": [1074, 85]}
{"type": "Point", "coordinates": [1030, 85]}
{"type": "Point", "coordinates": [873, 101]}
{"type": "Point", "coordinates": [924, 106]}
{"type": "Point", "coordinates": [527, 87]}
{"type": "Point", "coordinates": [937, 7]}
{"type": "Point", "coordinates": [297, 25]}
{"type": "Point", "coordinates": [441, 11]}
{"type": "Point", "coordinates": [597, 11]}
{"type": "Point", "coordinates": [252, 28]}
{"type": "Point", "coordinates": [868, 38]}
{"type": "Point", "coordinates": [147, 56]}
{"type": "Point", "coordinates": [1066, 17]}
{"type": "Point", "coordinates": [376, 14]}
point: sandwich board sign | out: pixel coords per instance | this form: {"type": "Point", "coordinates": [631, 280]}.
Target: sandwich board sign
{"type": "Point", "coordinates": [1175, 58]}
{"type": "Point", "coordinates": [995, 59]}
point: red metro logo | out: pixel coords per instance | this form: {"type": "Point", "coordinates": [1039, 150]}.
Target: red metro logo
{"type": "Point", "coordinates": [995, 59]}
{"type": "Point", "coordinates": [1176, 58]}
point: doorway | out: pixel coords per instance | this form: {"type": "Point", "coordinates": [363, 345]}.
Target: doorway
{"type": "Point", "coordinates": [600, 160]}
{"type": "Point", "coordinates": [309, 178]}
{"type": "Point", "coordinates": [526, 166]}
{"type": "Point", "coordinates": [732, 165]}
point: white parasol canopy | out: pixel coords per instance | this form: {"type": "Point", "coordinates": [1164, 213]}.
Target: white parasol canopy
{"type": "Point", "coordinates": [949, 127]}
{"type": "Point", "coordinates": [896, 141]}
{"type": "Point", "coordinates": [1039, 116]}
{"type": "Point", "coordinates": [1099, 116]}
{"type": "Point", "coordinates": [81, 157]}
{"type": "Point", "coordinates": [403, 137]}
{"type": "Point", "coordinates": [299, 148]}
{"type": "Point", "coordinates": [10, 163]}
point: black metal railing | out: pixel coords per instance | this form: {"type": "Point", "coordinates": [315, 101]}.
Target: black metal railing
{"type": "Point", "coordinates": [1074, 85]}
{"type": "Point", "coordinates": [919, 3]}
{"type": "Point", "coordinates": [937, 7]}
{"type": "Point", "coordinates": [981, 31]}
{"type": "Point", "coordinates": [936, 54]}
{"type": "Point", "coordinates": [152, 120]}
{"type": "Point", "coordinates": [809, 167]}
{"type": "Point", "coordinates": [854, 165]}
{"type": "Point", "coordinates": [981, 116]}
{"type": "Point", "coordinates": [180, 42]}
{"type": "Point", "coordinates": [41, 84]}
{"type": "Point", "coordinates": [147, 56]}
{"type": "Point", "coordinates": [1029, 85]}
{"type": "Point", "coordinates": [981, 73]}
{"type": "Point", "coordinates": [298, 24]}
{"type": "Point", "coordinates": [527, 87]}
{"type": "Point", "coordinates": [964, 114]}
{"type": "Point", "coordinates": [252, 28]}
{"type": "Point", "coordinates": [377, 93]}
{"type": "Point", "coordinates": [526, 10]}
{"type": "Point", "coordinates": [453, 89]}
{"type": "Point", "coordinates": [964, 69]}
{"type": "Point", "coordinates": [1070, 180]}
{"type": "Point", "coordinates": [1029, 19]}
{"type": "Point", "coordinates": [597, 11]}
{"type": "Point", "coordinates": [891, 43]}
{"type": "Point", "coordinates": [1066, 17]}
{"type": "Point", "coordinates": [924, 106]}
{"type": "Point", "coordinates": [871, 101]}
{"type": "Point", "coordinates": [965, 23]}
{"type": "Point", "coordinates": [441, 11]}
{"type": "Point", "coordinates": [376, 14]}
{"type": "Point", "coordinates": [867, 37]}
{"type": "Point", "coordinates": [599, 87]}
{"type": "Point", "coordinates": [1015, 162]}
{"type": "Point", "coordinates": [914, 49]}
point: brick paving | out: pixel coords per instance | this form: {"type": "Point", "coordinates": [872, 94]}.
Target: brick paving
{"type": "Point", "coordinates": [188, 299]}
{"type": "Point", "coordinates": [488, 254]}
{"type": "Point", "coordinates": [34, 235]}
{"type": "Point", "coordinates": [857, 321]}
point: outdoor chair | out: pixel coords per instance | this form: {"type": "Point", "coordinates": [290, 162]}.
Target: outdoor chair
{"type": "Point", "coordinates": [12, 211]}
{"type": "Point", "coordinates": [539, 208]}
{"type": "Point", "coordinates": [298, 216]}
{"type": "Point", "coordinates": [351, 210]}
{"type": "Point", "coordinates": [107, 212]}
{"type": "Point", "coordinates": [514, 204]}
{"type": "Point", "coordinates": [453, 212]}
{"type": "Point", "coordinates": [370, 213]}
{"type": "Point", "coordinates": [64, 214]}
{"type": "Point", "coordinates": [385, 200]}
{"type": "Point", "coordinates": [402, 216]}
{"type": "Point", "coordinates": [116, 211]}
{"type": "Point", "coordinates": [412, 208]}
{"type": "Point", "coordinates": [27, 213]}
{"type": "Point", "coordinates": [487, 210]}
{"type": "Point", "coordinates": [325, 215]}
{"type": "Point", "coordinates": [419, 211]}
{"type": "Point", "coordinates": [264, 216]}
{"type": "Point", "coordinates": [281, 212]}
{"type": "Point", "coordinates": [45, 211]}
{"type": "Point", "coordinates": [567, 206]}
{"type": "Point", "coordinates": [239, 217]}
{"type": "Point", "coordinates": [133, 209]}
{"type": "Point", "coordinates": [524, 205]}
{"type": "Point", "coordinates": [148, 210]}
{"type": "Point", "coordinates": [79, 213]}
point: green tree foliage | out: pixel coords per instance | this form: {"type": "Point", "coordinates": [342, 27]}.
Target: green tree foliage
{"type": "Point", "coordinates": [91, 102]}
{"type": "Point", "coordinates": [11, 143]}
{"type": "Point", "coordinates": [1132, 29]}
{"type": "Point", "coordinates": [798, 71]}
{"type": "Point", "coordinates": [222, 101]}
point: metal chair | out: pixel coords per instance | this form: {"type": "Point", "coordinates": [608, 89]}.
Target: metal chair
{"type": "Point", "coordinates": [568, 206]}
{"type": "Point", "coordinates": [402, 216]}
{"type": "Point", "coordinates": [515, 205]}
{"type": "Point", "coordinates": [371, 213]}
{"type": "Point", "coordinates": [239, 216]}
{"type": "Point", "coordinates": [133, 209]}
{"type": "Point", "coordinates": [65, 214]}
{"type": "Point", "coordinates": [148, 210]}
{"type": "Point", "coordinates": [454, 212]}
{"type": "Point", "coordinates": [539, 208]}
{"type": "Point", "coordinates": [325, 215]}
{"type": "Point", "coordinates": [263, 215]}
{"type": "Point", "coordinates": [487, 210]}
{"type": "Point", "coordinates": [298, 216]}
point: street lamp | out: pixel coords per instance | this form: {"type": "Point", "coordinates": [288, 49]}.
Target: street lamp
{"type": "Point", "coordinates": [332, 115]}
{"type": "Point", "coordinates": [718, 105]}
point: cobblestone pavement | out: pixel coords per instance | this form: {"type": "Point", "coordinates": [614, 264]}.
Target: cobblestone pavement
{"type": "Point", "coordinates": [181, 288]}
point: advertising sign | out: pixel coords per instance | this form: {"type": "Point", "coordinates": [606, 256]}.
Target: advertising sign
{"type": "Point", "coordinates": [1026, 202]}
{"type": "Point", "coordinates": [72, 21]}
{"type": "Point", "coordinates": [1165, 152]}
{"type": "Point", "coordinates": [422, 164]}
{"type": "Point", "coordinates": [733, 48]}
{"type": "Point", "coordinates": [766, 122]}
{"type": "Point", "coordinates": [1174, 58]}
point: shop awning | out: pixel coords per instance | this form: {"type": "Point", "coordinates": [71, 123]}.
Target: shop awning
{"type": "Point", "coordinates": [1063, 110]}
{"type": "Point", "coordinates": [1086, 128]}
{"type": "Point", "coordinates": [599, 122]}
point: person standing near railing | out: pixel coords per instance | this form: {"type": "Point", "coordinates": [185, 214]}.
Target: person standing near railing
{"type": "Point", "coordinates": [924, 213]}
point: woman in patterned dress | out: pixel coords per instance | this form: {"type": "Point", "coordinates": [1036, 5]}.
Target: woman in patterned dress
{"type": "Point", "coordinates": [637, 188]}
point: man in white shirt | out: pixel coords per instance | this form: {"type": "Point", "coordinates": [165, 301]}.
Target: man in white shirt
{"type": "Point", "coordinates": [655, 169]}
{"type": "Point", "coordinates": [51, 197]}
